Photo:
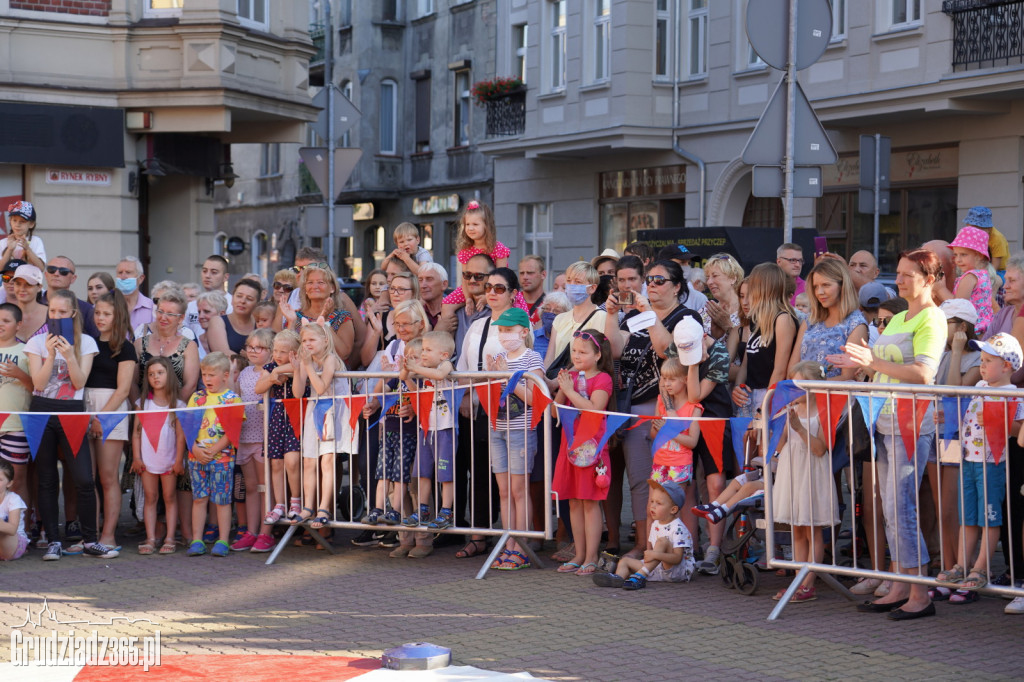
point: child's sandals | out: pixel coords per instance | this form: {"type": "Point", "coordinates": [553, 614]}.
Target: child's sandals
{"type": "Point", "coordinates": [501, 560]}
{"type": "Point", "coordinates": [147, 547]}
{"type": "Point", "coordinates": [169, 547]}
{"type": "Point", "coordinates": [953, 576]}
{"type": "Point", "coordinates": [514, 561]}
{"type": "Point", "coordinates": [274, 515]}
{"type": "Point", "coordinates": [306, 515]}
{"type": "Point", "coordinates": [321, 520]}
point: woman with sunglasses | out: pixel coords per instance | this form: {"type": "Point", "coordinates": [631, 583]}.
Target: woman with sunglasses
{"type": "Point", "coordinates": [379, 319]}
{"type": "Point", "coordinates": [640, 354]}
{"type": "Point", "coordinates": [228, 332]}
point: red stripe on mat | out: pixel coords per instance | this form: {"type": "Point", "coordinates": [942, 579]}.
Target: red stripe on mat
{"type": "Point", "coordinates": [250, 668]}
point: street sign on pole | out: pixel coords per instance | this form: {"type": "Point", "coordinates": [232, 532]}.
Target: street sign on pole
{"type": "Point", "coordinates": [345, 114]}
{"type": "Point", "coordinates": [771, 37]}
{"type": "Point", "coordinates": [345, 160]}
{"type": "Point", "coordinates": [316, 220]}
{"type": "Point", "coordinates": [768, 181]}
{"type": "Point", "coordinates": [866, 201]}
{"type": "Point", "coordinates": [767, 144]}
{"type": "Point", "coordinates": [868, 152]}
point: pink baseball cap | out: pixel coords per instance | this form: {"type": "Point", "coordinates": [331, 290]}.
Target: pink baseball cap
{"type": "Point", "coordinates": [971, 238]}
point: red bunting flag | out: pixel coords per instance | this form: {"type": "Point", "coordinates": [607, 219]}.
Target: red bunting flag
{"type": "Point", "coordinates": [995, 415]}
{"type": "Point", "coordinates": [713, 433]}
{"type": "Point", "coordinates": [75, 426]}
{"type": "Point", "coordinates": [830, 411]}
{"type": "Point", "coordinates": [355, 404]}
{"type": "Point", "coordinates": [231, 418]}
{"type": "Point", "coordinates": [588, 427]}
{"type": "Point", "coordinates": [152, 424]}
{"type": "Point", "coordinates": [3, 417]}
{"type": "Point", "coordinates": [642, 419]}
{"type": "Point", "coordinates": [423, 405]}
{"type": "Point", "coordinates": [490, 396]}
{"type": "Point", "coordinates": [295, 408]}
{"type": "Point", "coordinates": [909, 413]}
{"type": "Point", "coordinates": [540, 403]}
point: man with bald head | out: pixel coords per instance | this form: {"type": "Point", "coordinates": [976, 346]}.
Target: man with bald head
{"type": "Point", "coordinates": [943, 288]}
{"type": "Point", "coordinates": [863, 268]}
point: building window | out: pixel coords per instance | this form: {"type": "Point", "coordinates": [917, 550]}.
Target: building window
{"type": "Point", "coordinates": [762, 212]}
{"type": "Point", "coordinates": [556, 9]}
{"type": "Point", "coordinates": [838, 20]}
{"type": "Point", "coordinates": [602, 14]}
{"type": "Point", "coordinates": [697, 37]}
{"type": "Point", "coordinates": [519, 35]}
{"type": "Point", "coordinates": [220, 244]}
{"type": "Point", "coordinates": [260, 254]}
{"type": "Point", "coordinates": [344, 13]}
{"type": "Point", "coordinates": [253, 13]}
{"type": "Point", "coordinates": [461, 107]}
{"type": "Point", "coordinates": [423, 114]}
{"type": "Point", "coordinates": [748, 59]}
{"type": "Point", "coordinates": [388, 117]}
{"type": "Point", "coordinates": [536, 234]}
{"type": "Point", "coordinates": [662, 40]}
{"type": "Point", "coordinates": [424, 7]}
{"type": "Point", "coordinates": [162, 8]}
{"type": "Point", "coordinates": [390, 10]}
{"type": "Point", "coordinates": [346, 90]}
{"type": "Point", "coordinates": [904, 13]}
{"type": "Point", "coordinates": [270, 159]}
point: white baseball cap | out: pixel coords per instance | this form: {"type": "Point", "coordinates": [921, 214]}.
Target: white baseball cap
{"type": "Point", "coordinates": [688, 337]}
{"type": "Point", "coordinates": [961, 309]}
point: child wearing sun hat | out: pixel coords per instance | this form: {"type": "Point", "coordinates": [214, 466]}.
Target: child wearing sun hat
{"type": "Point", "coordinates": [970, 253]}
{"type": "Point", "coordinates": [998, 247]}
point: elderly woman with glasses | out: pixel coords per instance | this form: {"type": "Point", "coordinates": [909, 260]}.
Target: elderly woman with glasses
{"type": "Point", "coordinates": [319, 296]}
{"type": "Point", "coordinates": [640, 354]}
{"type": "Point", "coordinates": [167, 339]}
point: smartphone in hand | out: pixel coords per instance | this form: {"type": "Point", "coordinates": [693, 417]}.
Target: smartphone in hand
{"type": "Point", "coordinates": [64, 327]}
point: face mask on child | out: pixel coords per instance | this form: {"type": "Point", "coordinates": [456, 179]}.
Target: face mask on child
{"type": "Point", "coordinates": [577, 293]}
{"type": "Point", "coordinates": [510, 341]}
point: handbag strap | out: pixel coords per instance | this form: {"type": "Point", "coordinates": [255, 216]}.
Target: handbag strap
{"type": "Point", "coordinates": [483, 342]}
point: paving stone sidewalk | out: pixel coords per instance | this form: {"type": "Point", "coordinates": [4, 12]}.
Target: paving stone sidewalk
{"type": "Point", "coordinates": [360, 602]}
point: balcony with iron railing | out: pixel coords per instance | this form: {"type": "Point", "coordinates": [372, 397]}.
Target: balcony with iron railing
{"type": "Point", "coordinates": [506, 114]}
{"type": "Point", "coordinates": [986, 33]}
{"type": "Point", "coordinates": [318, 35]}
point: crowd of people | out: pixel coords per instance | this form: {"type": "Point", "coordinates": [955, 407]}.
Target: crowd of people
{"type": "Point", "coordinates": [645, 333]}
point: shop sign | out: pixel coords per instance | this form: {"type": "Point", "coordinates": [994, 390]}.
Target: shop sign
{"type": "Point", "coordinates": [643, 182]}
{"type": "Point", "coordinates": [55, 176]}
{"type": "Point", "coordinates": [432, 205]}
{"type": "Point", "coordinates": [362, 211]}
{"type": "Point", "coordinates": [905, 166]}
{"type": "Point", "coordinates": [235, 246]}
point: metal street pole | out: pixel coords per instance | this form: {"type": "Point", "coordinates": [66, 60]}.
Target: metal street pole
{"type": "Point", "coordinates": [788, 165]}
{"type": "Point", "coordinates": [328, 192]}
{"type": "Point", "coordinates": [878, 172]}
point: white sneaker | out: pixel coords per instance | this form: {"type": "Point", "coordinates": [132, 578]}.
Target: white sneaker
{"type": "Point", "coordinates": [709, 566]}
{"type": "Point", "coordinates": [866, 586]}
{"type": "Point", "coordinates": [1015, 607]}
{"type": "Point", "coordinates": [883, 589]}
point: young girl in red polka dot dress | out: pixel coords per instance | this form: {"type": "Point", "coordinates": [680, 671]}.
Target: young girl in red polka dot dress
{"type": "Point", "coordinates": [478, 234]}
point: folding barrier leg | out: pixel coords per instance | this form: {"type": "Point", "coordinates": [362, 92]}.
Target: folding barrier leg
{"type": "Point", "coordinates": [837, 586]}
{"type": "Point", "coordinates": [285, 539]}
{"type": "Point", "coordinates": [790, 591]}
{"type": "Point", "coordinates": [498, 547]}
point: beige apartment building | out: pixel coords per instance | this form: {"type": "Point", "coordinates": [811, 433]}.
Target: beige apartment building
{"type": "Point", "coordinates": [116, 117]}
{"type": "Point", "coordinates": [636, 113]}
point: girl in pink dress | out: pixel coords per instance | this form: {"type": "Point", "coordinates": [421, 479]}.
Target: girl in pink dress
{"type": "Point", "coordinates": [970, 253]}
{"type": "Point", "coordinates": [587, 386]}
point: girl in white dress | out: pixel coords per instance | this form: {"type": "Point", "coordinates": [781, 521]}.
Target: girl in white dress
{"type": "Point", "coordinates": [804, 495]}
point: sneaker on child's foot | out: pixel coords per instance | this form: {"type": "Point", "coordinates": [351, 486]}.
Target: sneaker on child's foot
{"type": "Point", "coordinates": [389, 541]}
{"type": "Point", "coordinates": [244, 542]}
{"type": "Point", "coordinates": [374, 516]}
{"type": "Point", "coordinates": [411, 521]}
{"type": "Point", "coordinates": [606, 579]}
{"type": "Point", "coordinates": [637, 581]}
{"type": "Point", "coordinates": [220, 548]}
{"type": "Point", "coordinates": [73, 530]}
{"type": "Point", "coordinates": [263, 543]}
{"type": "Point", "coordinates": [53, 552]}
{"type": "Point", "coordinates": [709, 566]}
{"type": "Point", "coordinates": [443, 520]}
{"type": "Point", "coordinates": [95, 549]}
{"type": "Point", "coordinates": [1014, 607]}
{"type": "Point", "coordinates": [391, 518]}
{"type": "Point", "coordinates": [197, 548]}
{"type": "Point", "coordinates": [211, 533]}
{"type": "Point", "coordinates": [365, 539]}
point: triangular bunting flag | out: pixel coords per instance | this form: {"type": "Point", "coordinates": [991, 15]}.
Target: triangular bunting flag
{"type": "Point", "coordinates": [611, 425]}
{"type": "Point", "coordinates": [152, 424]}
{"type": "Point", "coordinates": [511, 384]}
{"type": "Point", "coordinates": [355, 405]}
{"type": "Point", "coordinates": [540, 403]}
{"type": "Point", "coordinates": [671, 429]}
{"type": "Point", "coordinates": [110, 421]}
{"type": "Point", "coordinates": [775, 429]}
{"type": "Point", "coordinates": [320, 410]}
{"type": "Point", "coordinates": [713, 433]}
{"type": "Point", "coordinates": [953, 411]}
{"type": "Point", "coordinates": [33, 425]}
{"type": "Point", "coordinates": [870, 408]}
{"type": "Point", "coordinates": [909, 413]}
{"type": "Point", "coordinates": [641, 419]}
{"type": "Point", "coordinates": [995, 415]}
{"type": "Point", "coordinates": [830, 411]}
{"type": "Point", "coordinates": [587, 427]}
{"type": "Point", "coordinates": [785, 393]}
{"type": "Point", "coordinates": [454, 398]}
{"type": "Point", "coordinates": [295, 408]}
{"type": "Point", "coordinates": [191, 421]}
{"type": "Point", "coordinates": [231, 418]}
{"type": "Point", "coordinates": [3, 417]}
{"type": "Point", "coordinates": [389, 401]}
{"type": "Point", "coordinates": [74, 426]}
{"type": "Point", "coordinates": [423, 405]}
{"type": "Point", "coordinates": [490, 396]}
{"type": "Point", "coordinates": [738, 426]}
{"type": "Point", "coordinates": [567, 420]}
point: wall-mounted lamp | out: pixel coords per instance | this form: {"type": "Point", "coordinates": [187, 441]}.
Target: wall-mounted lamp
{"type": "Point", "coordinates": [228, 175]}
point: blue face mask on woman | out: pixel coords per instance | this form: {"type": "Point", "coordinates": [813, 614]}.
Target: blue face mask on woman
{"type": "Point", "coordinates": [577, 293]}
{"type": "Point", "coordinates": [546, 320]}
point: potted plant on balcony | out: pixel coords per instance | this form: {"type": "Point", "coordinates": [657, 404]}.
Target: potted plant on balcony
{"type": "Point", "coordinates": [496, 88]}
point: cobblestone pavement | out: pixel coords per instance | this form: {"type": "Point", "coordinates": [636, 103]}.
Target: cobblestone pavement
{"type": "Point", "coordinates": [359, 603]}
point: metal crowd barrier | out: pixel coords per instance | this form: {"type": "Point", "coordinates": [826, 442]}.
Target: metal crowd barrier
{"type": "Point", "coordinates": [855, 413]}
{"type": "Point", "coordinates": [352, 496]}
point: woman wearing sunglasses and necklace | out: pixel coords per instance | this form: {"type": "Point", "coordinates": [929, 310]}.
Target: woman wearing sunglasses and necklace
{"type": "Point", "coordinates": [640, 354]}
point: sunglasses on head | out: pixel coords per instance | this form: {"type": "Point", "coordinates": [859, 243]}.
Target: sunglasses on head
{"type": "Point", "coordinates": [496, 288]}
{"type": "Point", "coordinates": [586, 335]}
{"type": "Point", "coordinates": [64, 272]}
{"type": "Point", "coordinates": [657, 280]}
{"type": "Point", "coordinates": [474, 276]}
